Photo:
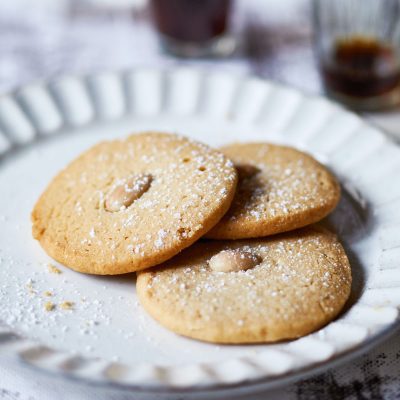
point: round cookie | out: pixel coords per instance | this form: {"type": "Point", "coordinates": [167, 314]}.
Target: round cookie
{"type": "Point", "coordinates": [280, 189]}
{"type": "Point", "coordinates": [291, 285]}
{"type": "Point", "coordinates": [130, 204]}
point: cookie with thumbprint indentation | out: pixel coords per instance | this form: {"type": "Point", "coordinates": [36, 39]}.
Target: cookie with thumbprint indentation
{"type": "Point", "coordinates": [280, 189]}
{"type": "Point", "coordinates": [250, 291]}
{"type": "Point", "coordinates": [129, 204]}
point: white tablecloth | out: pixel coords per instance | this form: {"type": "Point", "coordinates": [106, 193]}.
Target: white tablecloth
{"type": "Point", "coordinates": [47, 38]}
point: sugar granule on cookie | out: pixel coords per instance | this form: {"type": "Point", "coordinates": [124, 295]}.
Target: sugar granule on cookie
{"type": "Point", "coordinates": [250, 291]}
{"type": "Point", "coordinates": [280, 189]}
{"type": "Point", "coordinates": [127, 205]}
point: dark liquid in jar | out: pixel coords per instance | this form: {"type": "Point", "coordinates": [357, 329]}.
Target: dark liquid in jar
{"type": "Point", "coordinates": [191, 20]}
{"type": "Point", "coordinates": [361, 67]}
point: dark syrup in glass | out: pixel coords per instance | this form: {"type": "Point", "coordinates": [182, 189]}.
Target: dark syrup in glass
{"type": "Point", "coordinates": [361, 67]}
{"type": "Point", "coordinates": [191, 20]}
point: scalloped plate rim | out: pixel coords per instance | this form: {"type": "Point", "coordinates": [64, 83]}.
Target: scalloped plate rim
{"type": "Point", "coordinates": [272, 382]}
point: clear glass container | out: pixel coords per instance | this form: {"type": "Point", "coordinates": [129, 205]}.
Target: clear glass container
{"type": "Point", "coordinates": [194, 28]}
{"type": "Point", "coordinates": [357, 45]}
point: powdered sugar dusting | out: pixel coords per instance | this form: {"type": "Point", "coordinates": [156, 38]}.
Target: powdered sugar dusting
{"type": "Point", "coordinates": [188, 187]}
{"type": "Point", "coordinates": [161, 235]}
{"type": "Point", "coordinates": [296, 275]}
{"type": "Point", "coordinates": [276, 182]}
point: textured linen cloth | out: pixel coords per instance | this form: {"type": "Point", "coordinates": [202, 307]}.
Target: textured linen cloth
{"type": "Point", "coordinates": [73, 36]}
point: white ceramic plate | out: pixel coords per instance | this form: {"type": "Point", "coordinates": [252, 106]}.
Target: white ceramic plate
{"type": "Point", "coordinates": [107, 338]}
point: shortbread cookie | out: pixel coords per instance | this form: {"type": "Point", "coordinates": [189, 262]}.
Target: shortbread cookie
{"type": "Point", "coordinates": [280, 189]}
{"type": "Point", "coordinates": [250, 291]}
{"type": "Point", "coordinates": [129, 204]}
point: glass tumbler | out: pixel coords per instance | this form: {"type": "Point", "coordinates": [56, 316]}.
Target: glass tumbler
{"type": "Point", "coordinates": [194, 28]}
{"type": "Point", "coordinates": [357, 45]}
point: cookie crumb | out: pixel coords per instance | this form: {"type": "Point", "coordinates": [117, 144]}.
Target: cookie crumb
{"type": "Point", "coordinates": [30, 288]}
{"type": "Point", "coordinates": [47, 293]}
{"type": "Point", "coordinates": [67, 305]}
{"type": "Point", "coordinates": [53, 269]}
{"type": "Point", "coordinates": [49, 306]}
